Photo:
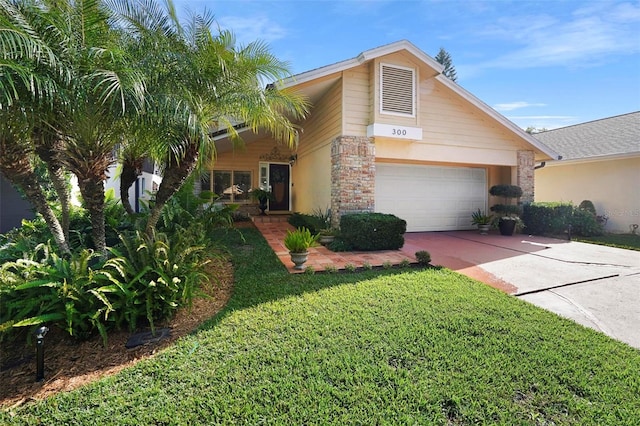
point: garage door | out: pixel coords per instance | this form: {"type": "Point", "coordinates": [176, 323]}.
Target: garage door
{"type": "Point", "coordinates": [431, 198]}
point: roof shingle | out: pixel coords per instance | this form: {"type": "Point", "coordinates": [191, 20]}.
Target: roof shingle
{"type": "Point", "coordinates": [617, 135]}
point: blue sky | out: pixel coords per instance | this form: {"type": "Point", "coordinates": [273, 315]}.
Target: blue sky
{"type": "Point", "coordinates": [545, 64]}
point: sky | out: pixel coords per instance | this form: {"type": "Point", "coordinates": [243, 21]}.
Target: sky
{"type": "Point", "coordinates": [543, 64]}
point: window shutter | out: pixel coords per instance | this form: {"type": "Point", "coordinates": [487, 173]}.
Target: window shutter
{"type": "Point", "coordinates": [397, 90]}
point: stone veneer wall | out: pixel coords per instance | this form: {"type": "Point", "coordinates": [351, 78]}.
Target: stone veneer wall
{"type": "Point", "coordinates": [525, 173]}
{"type": "Point", "coordinates": [353, 173]}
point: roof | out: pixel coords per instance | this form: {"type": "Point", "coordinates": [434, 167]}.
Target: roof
{"type": "Point", "coordinates": [607, 137]}
{"type": "Point", "coordinates": [321, 74]}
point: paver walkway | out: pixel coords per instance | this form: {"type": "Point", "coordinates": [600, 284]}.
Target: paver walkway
{"type": "Point", "coordinates": [321, 258]}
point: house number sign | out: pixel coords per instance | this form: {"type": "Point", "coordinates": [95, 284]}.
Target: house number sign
{"type": "Point", "coordinates": [394, 131]}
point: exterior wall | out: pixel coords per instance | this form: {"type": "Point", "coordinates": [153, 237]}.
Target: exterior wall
{"type": "Point", "coordinates": [248, 157]}
{"type": "Point", "coordinates": [356, 100]}
{"type": "Point", "coordinates": [353, 173]}
{"type": "Point", "coordinates": [612, 185]}
{"type": "Point", "coordinates": [311, 176]}
{"type": "Point", "coordinates": [452, 131]}
{"type": "Point", "coordinates": [311, 173]}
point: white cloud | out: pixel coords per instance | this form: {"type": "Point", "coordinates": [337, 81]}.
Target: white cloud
{"type": "Point", "coordinates": [248, 29]}
{"type": "Point", "coordinates": [589, 36]}
{"type": "Point", "coordinates": [510, 106]}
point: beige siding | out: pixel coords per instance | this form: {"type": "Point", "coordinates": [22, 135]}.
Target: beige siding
{"type": "Point", "coordinates": [311, 176]}
{"type": "Point", "coordinates": [312, 172]}
{"type": "Point", "coordinates": [612, 185]}
{"type": "Point", "coordinates": [356, 101]}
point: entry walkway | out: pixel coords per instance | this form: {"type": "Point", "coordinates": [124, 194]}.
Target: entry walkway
{"type": "Point", "coordinates": [321, 258]}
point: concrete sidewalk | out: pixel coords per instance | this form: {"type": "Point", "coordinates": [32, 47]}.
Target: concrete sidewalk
{"type": "Point", "coordinates": [594, 285]}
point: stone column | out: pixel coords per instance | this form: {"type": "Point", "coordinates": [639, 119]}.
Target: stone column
{"type": "Point", "coordinates": [353, 173]}
{"type": "Point", "coordinates": [525, 175]}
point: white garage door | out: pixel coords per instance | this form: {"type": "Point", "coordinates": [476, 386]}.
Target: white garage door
{"type": "Point", "coordinates": [431, 198]}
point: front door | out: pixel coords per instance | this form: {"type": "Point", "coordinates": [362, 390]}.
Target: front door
{"type": "Point", "coordinates": [279, 183]}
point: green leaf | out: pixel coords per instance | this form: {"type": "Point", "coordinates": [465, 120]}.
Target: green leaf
{"type": "Point", "coordinates": [40, 319]}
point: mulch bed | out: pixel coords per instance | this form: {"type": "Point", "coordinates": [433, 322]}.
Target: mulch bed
{"type": "Point", "coordinates": [70, 364]}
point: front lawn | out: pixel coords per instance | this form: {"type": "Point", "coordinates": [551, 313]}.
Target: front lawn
{"type": "Point", "coordinates": [378, 347]}
{"type": "Point", "coordinates": [625, 241]}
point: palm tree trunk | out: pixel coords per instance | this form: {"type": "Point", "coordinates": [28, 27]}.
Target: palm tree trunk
{"type": "Point", "coordinates": [174, 176]}
{"type": "Point", "coordinates": [92, 191]}
{"type": "Point", "coordinates": [47, 148]}
{"type": "Point", "coordinates": [16, 168]}
{"type": "Point", "coordinates": [131, 169]}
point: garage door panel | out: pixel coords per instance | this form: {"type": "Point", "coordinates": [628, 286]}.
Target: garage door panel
{"type": "Point", "coordinates": [431, 198]}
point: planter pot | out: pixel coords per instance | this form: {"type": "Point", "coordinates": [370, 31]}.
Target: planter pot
{"type": "Point", "coordinates": [263, 206]}
{"type": "Point", "coordinates": [507, 227]}
{"type": "Point", "coordinates": [484, 229]}
{"type": "Point", "coordinates": [299, 259]}
{"type": "Point", "coordinates": [326, 239]}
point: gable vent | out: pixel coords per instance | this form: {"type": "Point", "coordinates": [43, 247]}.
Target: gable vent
{"type": "Point", "coordinates": [397, 90]}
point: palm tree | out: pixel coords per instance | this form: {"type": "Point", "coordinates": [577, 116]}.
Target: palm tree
{"type": "Point", "coordinates": [200, 82]}
{"type": "Point", "coordinates": [102, 88]}
{"type": "Point", "coordinates": [16, 164]}
{"type": "Point", "coordinates": [26, 89]}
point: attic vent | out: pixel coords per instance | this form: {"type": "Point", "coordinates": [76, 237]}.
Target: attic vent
{"type": "Point", "coordinates": [397, 90]}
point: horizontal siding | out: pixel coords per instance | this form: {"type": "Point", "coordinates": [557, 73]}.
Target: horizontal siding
{"type": "Point", "coordinates": [356, 101]}
{"type": "Point", "coordinates": [324, 122]}
{"type": "Point", "coordinates": [447, 119]}
{"type": "Point", "coordinates": [312, 172]}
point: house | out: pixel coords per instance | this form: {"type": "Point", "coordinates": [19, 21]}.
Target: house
{"type": "Point", "coordinates": [601, 163]}
{"type": "Point", "coordinates": [386, 132]}
{"type": "Point", "coordinates": [13, 208]}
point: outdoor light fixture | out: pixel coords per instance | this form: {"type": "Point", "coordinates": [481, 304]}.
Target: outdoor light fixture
{"type": "Point", "coordinates": [40, 333]}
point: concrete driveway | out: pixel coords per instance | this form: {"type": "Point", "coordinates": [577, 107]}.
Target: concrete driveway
{"type": "Point", "coordinates": [596, 286]}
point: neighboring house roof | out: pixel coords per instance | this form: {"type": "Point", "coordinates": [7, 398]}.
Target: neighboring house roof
{"type": "Point", "coordinates": [317, 81]}
{"type": "Point", "coordinates": [617, 136]}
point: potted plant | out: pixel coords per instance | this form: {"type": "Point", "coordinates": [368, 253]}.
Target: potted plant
{"type": "Point", "coordinates": [327, 235]}
{"type": "Point", "coordinates": [482, 220]}
{"type": "Point", "coordinates": [323, 224]}
{"type": "Point", "coordinates": [508, 213]}
{"type": "Point", "coordinates": [298, 243]}
{"type": "Point", "coordinates": [262, 196]}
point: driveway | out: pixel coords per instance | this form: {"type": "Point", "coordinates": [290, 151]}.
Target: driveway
{"type": "Point", "coordinates": [596, 286]}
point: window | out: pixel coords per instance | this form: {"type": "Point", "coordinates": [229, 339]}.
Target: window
{"type": "Point", "coordinates": [397, 90]}
{"type": "Point", "coordinates": [232, 186]}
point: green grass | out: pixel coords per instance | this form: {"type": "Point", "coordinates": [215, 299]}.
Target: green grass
{"type": "Point", "coordinates": [394, 346]}
{"type": "Point", "coordinates": [625, 241]}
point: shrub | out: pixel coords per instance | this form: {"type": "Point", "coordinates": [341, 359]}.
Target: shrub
{"type": "Point", "coordinates": [506, 191]}
{"type": "Point", "coordinates": [373, 231]}
{"type": "Point", "coordinates": [423, 257]}
{"type": "Point", "coordinates": [339, 245]}
{"type": "Point", "coordinates": [301, 220]}
{"type": "Point", "coordinates": [150, 279]}
{"type": "Point", "coordinates": [588, 206]}
{"type": "Point", "coordinates": [546, 218]}
{"type": "Point", "coordinates": [584, 223]}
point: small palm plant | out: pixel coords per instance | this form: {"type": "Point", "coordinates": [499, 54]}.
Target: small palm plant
{"type": "Point", "coordinates": [300, 240]}
{"type": "Point", "coordinates": [480, 218]}
{"type": "Point", "coordinates": [298, 243]}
